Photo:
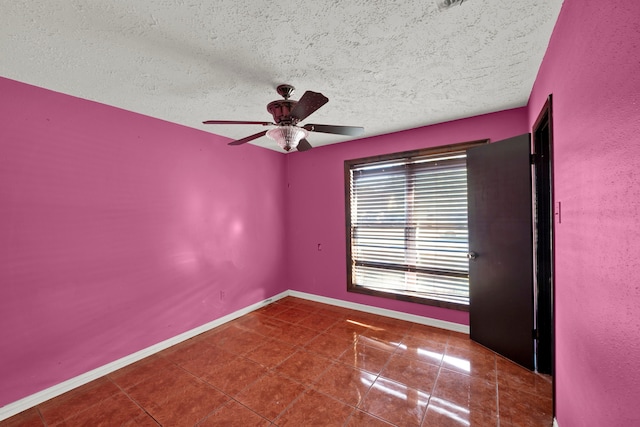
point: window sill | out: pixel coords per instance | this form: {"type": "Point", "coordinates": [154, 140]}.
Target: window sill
{"type": "Point", "coordinates": [408, 298]}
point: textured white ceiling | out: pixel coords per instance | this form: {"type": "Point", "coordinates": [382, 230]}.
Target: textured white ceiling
{"type": "Point", "coordinates": [385, 65]}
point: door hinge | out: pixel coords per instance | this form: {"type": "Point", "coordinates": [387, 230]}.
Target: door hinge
{"type": "Point", "coordinates": [534, 334]}
{"type": "Point", "coordinates": [533, 158]}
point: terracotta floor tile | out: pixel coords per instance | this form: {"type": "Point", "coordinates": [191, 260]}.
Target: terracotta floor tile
{"type": "Point", "coordinates": [201, 359]}
{"type": "Point", "coordinates": [470, 362]}
{"type": "Point", "coordinates": [266, 326]}
{"type": "Point", "coordinates": [309, 306]}
{"type": "Point", "coordinates": [297, 335]}
{"type": "Point", "coordinates": [383, 333]}
{"type": "Point", "coordinates": [428, 333]}
{"type": "Point", "coordinates": [303, 366]}
{"type": "Point", "coordinates": [333, 311]}
{"type": "Point", "coordinates": [272, 353]}
{"type": "Point", "coordinates": [513, 376]}
{"type": "Point", "coordinates": [329, 313]}
{"type": "Point", "coordinates": [421, 349]}
{"type": "Point", "coordinates": [362, 419]}
{"type": "Point", "coordinates": [186, 350]}
{"type": "Point", "coordinates": [235, 375]}
{"type": "Point", "coordinates": [441, 413]}
{"type": "Point", "coordinates": [156, 389]}
{"type": "Point", "coordinates": [363, 318]}
{"type": "Point", "coordinates": [291, 301]}
{"type": "Point", "coordinates": [137, 372]}
{"type": "Point", "coordinates": [81, 399]}
{"type": "Point", "coordinates": [273, 310]}
{"type": "Point", "coordinates": [143, 420]}
{"type": "Point", "coordinates": [116, 410]}
{"type": "Point", "coordinates": [377, 344]}
{"type": "Point", "coordinates": [395, 403]}
{"type": "Point", "coordinates": [223, 333]}
{"type": "Point", "coordinates": [29, 418]}
{"type": "Point", "coordinates": [386, 336]}
{"type": "Point", "coordinates": [472, 394]}
{"type": "Point", "coordinates": [188, 405]}
{"type": "Point", "coordinates": [315, 409]}
{"type": "Point", "coordinates": [346, 329]}
{"type": "Point", "coordinates": [234, 414]}
{"type": "Point", "coordinates": [367, 354]}
{"type": "Point", "coordinates": [523, 409]}
{"type": "Point", "coordinates": [237, 340]}
{"type": "Point", "coordinates": [404, 325]}
{"type": "Point", "coordinates": [329, 345]}
{"type": "Point", "coordinates": [347, 384]}
{"type": "Point", "coordinates": [400, 327]}
{"type": "Point", "coordinates": [292, 315]}
{"type": "Point", "coordinates": [318, 322]}
{"type": "Point", "coordinates": [460, 340]}
{"type": "Point", "coordinates": [411, 372]}
{"type": "Point", "coordinates": [270, 395]}
{"type": "Point", "coordinates": [249, 321]}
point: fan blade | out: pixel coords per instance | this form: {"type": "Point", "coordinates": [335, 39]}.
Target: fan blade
{"type": "Point", "coordinates": [338, 130]}
{"type": "Point", "coordinates": [248, 138]}
{"type": "Point", "coordinates": [309, 103]}
{"type": "Point", "coordinates": [234, 122]}
{"type": "Point", "coordinates": [304, 145]}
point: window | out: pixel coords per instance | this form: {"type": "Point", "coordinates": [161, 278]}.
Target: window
{"type": "Point", "coordinates": [407, 226]}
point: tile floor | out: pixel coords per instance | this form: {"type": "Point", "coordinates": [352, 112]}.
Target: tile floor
{"type": "Point", "coordinates": [301, 363]}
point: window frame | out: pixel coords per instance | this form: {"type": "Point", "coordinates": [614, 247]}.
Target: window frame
{"type": "Point", "coordinates": [348, 165]}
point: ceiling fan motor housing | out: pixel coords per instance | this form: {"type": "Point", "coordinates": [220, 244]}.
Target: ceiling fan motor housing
{"type": "Point", "coordinates": [281, 111]}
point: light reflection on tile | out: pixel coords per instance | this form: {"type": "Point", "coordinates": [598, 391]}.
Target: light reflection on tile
{"type": "Point", "coordinates": [462, 364]}
{"type": "Point", "coordinates": [449, 410]}
{"type": "Point", "coordinates": [395, 403]}
{"type": "Point", "coordinates": [400, 391]}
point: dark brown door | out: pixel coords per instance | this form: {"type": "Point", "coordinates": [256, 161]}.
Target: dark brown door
{"type": "Point", "coordinates": [501, 248]}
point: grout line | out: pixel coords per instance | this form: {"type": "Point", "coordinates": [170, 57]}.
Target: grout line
{"type": "Point", "coordinates": [231, 399]}
{"type": "Point", "coordinates": [44, 423]}
{"type": "Point", "coordinates": [435, 383]}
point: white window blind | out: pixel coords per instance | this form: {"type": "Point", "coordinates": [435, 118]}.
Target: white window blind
{"type": "Point", "coordinates": [408, 228]}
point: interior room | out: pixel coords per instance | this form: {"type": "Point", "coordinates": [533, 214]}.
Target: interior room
{"type": "Point", "coordinates": [126, 233]}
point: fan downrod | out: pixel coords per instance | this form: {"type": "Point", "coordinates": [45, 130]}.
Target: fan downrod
{"type": "Point", "coordinates": [285, 91]}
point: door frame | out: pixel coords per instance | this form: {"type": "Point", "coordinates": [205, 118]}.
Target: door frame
{"type": "Point", "coordinates": [545, 217]}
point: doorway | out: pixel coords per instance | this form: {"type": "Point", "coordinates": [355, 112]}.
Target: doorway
{"type": "Point", "coordinates": [544, 242]}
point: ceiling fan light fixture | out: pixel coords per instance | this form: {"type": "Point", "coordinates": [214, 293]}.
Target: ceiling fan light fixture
{"type": "Point", "coordinates": [287, 136]}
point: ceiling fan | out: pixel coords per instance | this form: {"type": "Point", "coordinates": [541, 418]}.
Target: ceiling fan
{"type": "Point", "coordinates": [287, 113]}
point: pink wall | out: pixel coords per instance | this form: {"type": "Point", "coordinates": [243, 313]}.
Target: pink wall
{"type": "Point", "coordinates": [317, 211]}
{"type": "Point", "coordinates": [118, 231]}
{"type": "Point", "coordinates": [591, 67]}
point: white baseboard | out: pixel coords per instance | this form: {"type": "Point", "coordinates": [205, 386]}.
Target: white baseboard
{"type": "Point", "coordinates": [555, 423]}
{"type": "Point", "coordinates": [58, 389]}
{"type": "Point", "coordinates": [442, 324]}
